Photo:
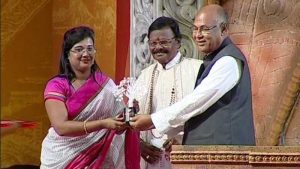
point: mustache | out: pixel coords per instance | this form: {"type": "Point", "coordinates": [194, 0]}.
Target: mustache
{"type": "Point", "coordinates": [160, 51]}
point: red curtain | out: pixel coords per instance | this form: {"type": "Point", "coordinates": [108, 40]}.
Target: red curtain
{"type": "Point", "coordinates": [123, 39]}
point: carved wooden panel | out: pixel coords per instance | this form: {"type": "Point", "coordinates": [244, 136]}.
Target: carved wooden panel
{"type": "Point", "coordinates": [267, 31]}
{"type": "Point", "coordinates": [234, 157]}
{"type": "Point", "coordinates": [141, 18]}
{"type": "Point", "coordinates": [292, 128]}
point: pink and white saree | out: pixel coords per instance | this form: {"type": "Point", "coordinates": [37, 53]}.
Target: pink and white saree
{"type": "Point", "coordinates": [101, 149]}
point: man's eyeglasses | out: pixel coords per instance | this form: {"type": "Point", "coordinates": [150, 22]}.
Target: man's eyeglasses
{"type": "Point", "coordinates": [204, 30]}
{"type": "Point", "coordinates": [80, 50]}
{"type": "Point", "coordinates": [164, 43]}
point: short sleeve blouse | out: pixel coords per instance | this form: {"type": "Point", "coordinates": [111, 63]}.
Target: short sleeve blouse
{"type": "Point", "coordinates": [58, 88]}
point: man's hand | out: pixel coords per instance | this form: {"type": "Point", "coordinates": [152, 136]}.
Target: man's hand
{"type": "Point", "coordinates": [168, 144]}
{"type": "Point", "coordinates": [141, 122]}
{"type": "Point", "coordinates": [150, 153]}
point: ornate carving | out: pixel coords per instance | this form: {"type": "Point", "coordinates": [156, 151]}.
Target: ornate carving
{"type": "Point", "coordinates": [277, 30]}
{"type": "Point", "coordinates": [184, 12]}
{"type": "Point", "coordinates": [235, 155]}
{"type": "Point", "coordinates": [275, 10]}
{"type": "Point", "coordinates": [265, 158]}
{"type": "Point", "coordinates": [141, 17]}
{"type": "Point", "coordinates": [267, 32]}
{"type": "Point", "coordinates": [209, 157]}
{"type": "Point", "coordinates": [286, 105]}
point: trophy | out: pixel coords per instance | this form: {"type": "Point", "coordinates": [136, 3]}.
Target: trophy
{"type": "Point", "coordinates": [125, 92]}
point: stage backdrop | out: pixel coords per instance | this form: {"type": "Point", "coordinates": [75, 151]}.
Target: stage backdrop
{"type": "Point", "coordinates": [31, 37]}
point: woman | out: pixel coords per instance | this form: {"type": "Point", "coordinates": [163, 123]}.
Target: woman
{"type": "Point", "coordinates": [83, 112]}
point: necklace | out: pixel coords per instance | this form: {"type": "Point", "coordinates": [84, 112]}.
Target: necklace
{"type": "Point", "coordinates": [173, 96]}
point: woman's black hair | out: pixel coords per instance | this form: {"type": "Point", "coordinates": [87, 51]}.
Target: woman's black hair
{"type": "Point", "coordinates": [71, 37]}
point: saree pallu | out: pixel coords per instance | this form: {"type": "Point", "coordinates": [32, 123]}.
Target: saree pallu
{"type": "Point", "coordinates": [101, 149]}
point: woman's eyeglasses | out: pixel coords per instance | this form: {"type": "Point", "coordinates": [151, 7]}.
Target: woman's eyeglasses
{"type": "Point", "coordinates": [79, 50]}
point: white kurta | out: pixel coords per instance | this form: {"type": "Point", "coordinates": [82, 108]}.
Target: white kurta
{"type": "Point", "coordinates": [223, 76]}
{"type": "Point", "coordinates": [180, 74]}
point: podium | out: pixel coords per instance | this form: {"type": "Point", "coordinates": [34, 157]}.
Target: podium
{"type": "Point", "coordinates": [235, 157]}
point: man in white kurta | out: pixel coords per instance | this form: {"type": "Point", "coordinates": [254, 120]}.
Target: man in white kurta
{"type": "Point", "coordinates": [164, 86]}
{"type": "Point", "coordinates": [226, 74]}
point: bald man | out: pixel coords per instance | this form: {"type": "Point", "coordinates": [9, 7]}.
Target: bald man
{"type": "Point", "coordinates": [219, 110]}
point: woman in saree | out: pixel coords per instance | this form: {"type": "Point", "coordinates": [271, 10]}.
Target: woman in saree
{"type": "Point", "coordinates": [86, 128]}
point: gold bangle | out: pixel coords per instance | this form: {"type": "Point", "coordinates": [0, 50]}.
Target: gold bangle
{"type": "Point", "coordinates": [84, 127]}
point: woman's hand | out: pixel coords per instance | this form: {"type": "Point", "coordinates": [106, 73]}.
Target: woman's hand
{"type": "Point", "coordinates": [114, 123]}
